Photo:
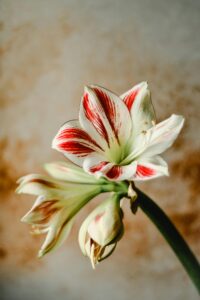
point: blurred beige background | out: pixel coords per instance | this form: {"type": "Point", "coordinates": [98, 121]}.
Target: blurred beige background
{"type": "Point", "coordinates": [49, 51]}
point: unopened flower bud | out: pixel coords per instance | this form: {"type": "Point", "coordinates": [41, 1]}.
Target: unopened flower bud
{"type": "Point", "coordinates": [101, 230]}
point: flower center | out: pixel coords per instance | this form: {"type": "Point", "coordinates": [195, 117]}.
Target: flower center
{"type": "Point", "coordinates": [117, 153]}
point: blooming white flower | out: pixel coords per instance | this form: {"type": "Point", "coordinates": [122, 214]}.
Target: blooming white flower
{"type": "Point", "coordinates": [116, 139]}
{"type": "Point", "coordinates": [59, 200]}
{"type": "Point", "coordinates": [101, 230]}
{"type": "Point", "coordinates": [117, 136]}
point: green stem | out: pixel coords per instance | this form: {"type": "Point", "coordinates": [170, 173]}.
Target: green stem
{"type": "Point", "coordinates": [118, 187]}
{"type": "Point", "coordinates": [172, 236]}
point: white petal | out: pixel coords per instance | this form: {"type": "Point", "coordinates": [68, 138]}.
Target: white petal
{"type": "Point", "coordinates": [138, 101]}
{"type": "Point", "coordinates": [40, 185]}
{"type": "Point", "coordinates": [82, 237]}
{"type": "Point", "coordinates": [69, 172]}
{"type": "Point", "coordinates": [74, 142]}
{"type": "Point", "coordinates": [34, 215]}
{"type": "Point", "coordinates": [96, 164]}
{"type": "Point", "coordinates": [161, 136]}
{"type": "Point", "coordinates": [57, 234]}
{"type": "Point", "coordinates": [119, 173]}
{"type": "Point", "coordinates": [105, 117]}
{"type": "Point", "coordinates": [106, 224]}
{"type": "Point", "coordinates": [149, 168]}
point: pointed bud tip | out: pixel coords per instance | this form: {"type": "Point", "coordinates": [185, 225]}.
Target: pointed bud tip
{"type": "Point", "coordinates": [25, 219]}
{"type": "Point", "coordinates": [19, 180]}
{"type": "Point", "coordinates": [18, 190]}
{"type": "Point", "coordinates": [40, 253]}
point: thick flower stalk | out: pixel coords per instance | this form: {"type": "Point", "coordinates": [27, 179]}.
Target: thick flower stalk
{"type": "Point", "coordinates": [117, 136]}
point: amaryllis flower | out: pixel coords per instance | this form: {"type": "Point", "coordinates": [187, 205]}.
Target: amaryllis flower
{"type": "Point", "coordinates": [101, 230]}
{"type": "Point", "coordinates": [60, 197]}
{"type": "Point", "coordinates": [116, 139]}
{"type": "Point", "coordinates": [117, 136]}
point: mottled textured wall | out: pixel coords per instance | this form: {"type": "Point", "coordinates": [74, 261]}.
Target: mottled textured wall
{"type": "Point", "coordinates": [49, 51]}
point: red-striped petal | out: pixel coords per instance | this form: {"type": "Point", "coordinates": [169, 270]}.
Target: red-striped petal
{"type": "Point", "coordinates": [109, 107]}
{"type": "Point", "coordinates": [76, 148]}
{"type": "Point", "coordinates": [76, 133]}
{"type": "Point", "coordinates": [138, 102]}
{"type": "Point", "coordinates": [149, 168]}
{"type": "Point", "coordinates": [93, 114]}
{"type": "Point", "coordinates": [114, 172]}
{"type": "Point", "coordinates": [143, 171]}
{"type": "Point", "coordinates": [74, 142]}
{"type": "Point", "coordinates": [98, 167]}
{"type": "Point", "coordinates": [96, 164]}
{"type": "Point", "coordinates": [130, 97]}
{"type": "Point", "coordinates": [105, 117]}
{"type": "Point", "coordinates": [119, 173]}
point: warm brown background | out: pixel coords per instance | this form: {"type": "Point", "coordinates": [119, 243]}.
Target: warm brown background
{"type": "Point", "coordinates": [49, 51]}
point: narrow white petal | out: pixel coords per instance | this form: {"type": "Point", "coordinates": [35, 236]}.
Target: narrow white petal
{"type": "Point", "coordinates": [40, 185]}
{"type": "Point", "coordinates": [57, 234]}
{"type": "Point", "coordinates": [69, 172]}
{"type": "Point", "coordinates": [161, 136]}
{"type": "Point", "coordinates": [82, 238]}
{"type": "Point", "coordinates": [31, 217]}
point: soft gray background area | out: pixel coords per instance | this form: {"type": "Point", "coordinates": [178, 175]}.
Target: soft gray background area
{"type": "Point", "coordinates": [49, 51]}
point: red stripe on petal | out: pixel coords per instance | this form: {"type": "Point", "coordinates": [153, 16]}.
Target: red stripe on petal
{"type": "Point", "coordinates": [109, 109]}
{"type": "Point", "coordinates": [46, 211]}
{"type": "Point", "coordinates": [91, 113]}
{"type": "Point", "coordinates": [76, 133]}
{"type": "Point", "coordinates": [130, 98]}
{"type": "Point", "coordinates": [143, 171]}
{"type": "Point", "coordinates": [44, 182]}
{"type": "Point", "coordinates": [114, 172]}
{"type": "Point", "coordinates": [98, 167]}
{"type": "Point", "coordinates": [75, 148]}
{"type": "Point", "coordinates": [98, 217]}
